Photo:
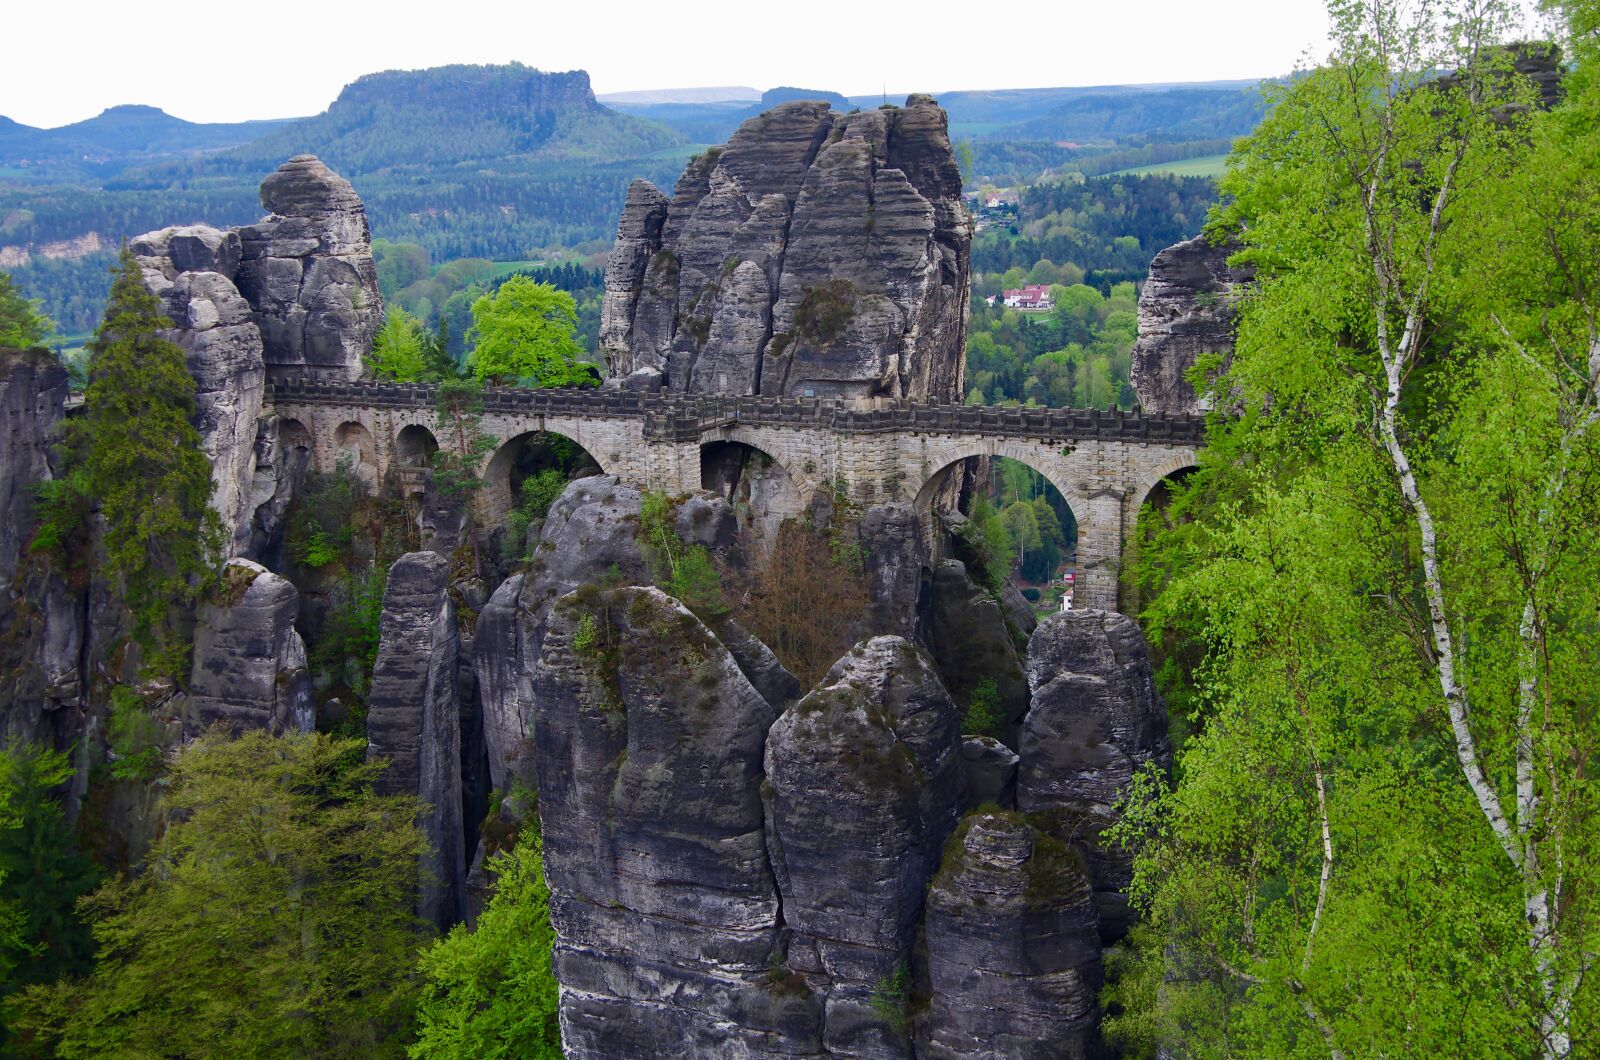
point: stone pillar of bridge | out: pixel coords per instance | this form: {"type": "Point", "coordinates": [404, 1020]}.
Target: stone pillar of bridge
{"type": "Point", "coordinates": [671, 467]}
{"type": "Point", "coordinates": [1099, 550]}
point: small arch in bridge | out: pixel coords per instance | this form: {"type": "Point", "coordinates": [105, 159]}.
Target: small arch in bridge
{"type": "Point", "coordinates": [415, 445]}
{"type": "Point", "coordinates": [523, 457]}
{"type": "Point", "coordinates": [1148, 502]}
{"type": "Point", "coordinates": [751, 480]}
{"type": "Point", "coordinates": [1042, 524]}
{"type": "Point", "coordinates": [353, 442]}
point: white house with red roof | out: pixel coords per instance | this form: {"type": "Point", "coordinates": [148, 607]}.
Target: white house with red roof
{"type": "Point", "coordinates": [1035, 296]}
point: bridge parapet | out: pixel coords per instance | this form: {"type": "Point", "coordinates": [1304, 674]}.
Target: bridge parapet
{"type": "Point", "coordinates": [679, 418]}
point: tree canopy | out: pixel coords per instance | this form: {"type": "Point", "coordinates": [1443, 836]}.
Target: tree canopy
{"type": "Point", "coordinates": [1379, 589]}
{"type": "Point", "coordinates": [21, 324]}
{"type": "Point", "coordinates": [275, 919]}
{"type": "Point", "coordinates": [525, 331]}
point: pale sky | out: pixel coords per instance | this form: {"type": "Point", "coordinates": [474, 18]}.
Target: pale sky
{"type": "Point", "coordinates": [228, 60]}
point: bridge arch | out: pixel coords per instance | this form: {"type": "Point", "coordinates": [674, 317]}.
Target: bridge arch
{"type": "Point", "coordinates": [415, 445]}
{"type": "Point", "coordinates": [353, 441]}
{"type": "Point", "coordinates": [1167, 471]}
{"type": "Point", "coordinates": [525, 454]}
{"type": "Point", "coordinates": [934, 481]}
{"type": "Point", "coordinates": [736, 467]}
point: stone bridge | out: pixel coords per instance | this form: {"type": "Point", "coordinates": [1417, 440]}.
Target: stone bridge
{"type": "Point", "coordinates": [1104, 463]}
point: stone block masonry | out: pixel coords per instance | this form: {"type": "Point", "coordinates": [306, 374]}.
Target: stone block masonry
{"type": "Point", "coordinates": [1104, 463]}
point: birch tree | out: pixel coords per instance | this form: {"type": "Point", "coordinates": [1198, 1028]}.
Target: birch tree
{"type": "Point", "coordinates": [1398, 599]}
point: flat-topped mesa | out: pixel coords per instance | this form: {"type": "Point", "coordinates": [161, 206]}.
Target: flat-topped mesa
{"type": "Point", "coordinates": [816, 254]}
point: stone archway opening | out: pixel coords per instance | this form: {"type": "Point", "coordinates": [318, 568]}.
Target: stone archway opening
{"type": "Point", "coordinates": [760, 490]}
{"type": "Point", "coordinates": [353, 447]}
{"type": "Point", "coordinates": [414, 447]}
{"type": "Point", "coordinates": [1152, 512]}
{"type": "Point", "coordinates": [1012, 526]}
{"type": "Point", "coordinates": [523, 476]}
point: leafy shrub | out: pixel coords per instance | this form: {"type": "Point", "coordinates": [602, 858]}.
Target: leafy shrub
{"type": "Point", "coordinates": [825, 310]}
{"type": "Point", "coordinates": [981, 716]}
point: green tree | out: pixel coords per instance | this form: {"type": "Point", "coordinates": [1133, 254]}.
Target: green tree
{"type": "Point", "coordinates": [143, 461]}
{"type": "Point", "coordinates": [525, 331]}
{"type": "Point", "coordinates": [399, 350]}
{"type": "Point", "coordinates": [491, 992]}
{"type": "Point", "coordinates": [42, 871]}
{"type": "Point", "coordinates": [21, 324]}
{"type": "Point", "coordinates": [275, 919]}
{"type": "Point", "coordinates": [1382, 839]}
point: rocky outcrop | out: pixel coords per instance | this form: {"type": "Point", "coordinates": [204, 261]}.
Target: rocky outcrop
{"type": "Point", "coordinates": [591, 534]}
{"type": "Point", "coordinates": [191, 270]}
{"type": "Point", "coordinates": [972, 643]}
{"type": "Point", "coordinates": [296, 291]}
{"type": "Point", "coordinates": [282, 458]}
{"type": "Point", "coordinates": [991, 769]}
{"type": "Point", "coordinates": [893, 558]}
{"type": "Point", "coordinates": [864, 784]}
{"type": "Point", "coordinates": [650, 746]}
{"type": "Point", "coordinates": [1013, 947]}
{"type": "Point", "coordinates": [249, 669]}
{"type": "Point", "coordinates": [1095, 721]}
{"type": "Point", "coordinates": [413, 721]}
{"type": "Point", "coordinates": [816, 253]}
{"type": "Point", "coordinates": [41, 622]}
{"type": "Point", "coordinates": [1186, 310]}
{"type": "Point", "coordinates": [308, 272]}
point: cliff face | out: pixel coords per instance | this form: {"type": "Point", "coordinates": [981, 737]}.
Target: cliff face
{"type": "Point", "coordinates": [1185, 310]}
{"type": "Point", "coordinates": [296, 291]}
{"type": "Point", "coordinates": [41, 622]}
{"type": "Point", "coordinates": [815, 253]}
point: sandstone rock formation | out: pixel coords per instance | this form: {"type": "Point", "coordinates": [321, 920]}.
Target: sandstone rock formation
{"type": "Point", "coordinates": [41, 620]}
{"type": "Point", "coordinates": [249, 669]}
{"type": "Point", "coordinates": [591, 534]}
{"type": "Point", "coordinates": [413, 721]}
{"type": "Point", "coordinates": [191, 270]}
{"type": "Point", "coordinates": [307, 270]}
{"type": "Point", "coordinates": [1013, 947]}
{"type": "Point", "coordinates": [1185, 310]}
{"type": "Point", "coordinates": [991, 769]}
{"type": "Point", "coordinates": [864, 783]}
{"type": "Point", "coordinates": [816, 253]}
{"type": "Point", "coordinates": [649, 760]}
{"type": "Point", "coordinates": [970, 639]}
{"type": "Point", "coordinates": [296, 291]}
{"type": "Point", "coordinates": [1095, 720]}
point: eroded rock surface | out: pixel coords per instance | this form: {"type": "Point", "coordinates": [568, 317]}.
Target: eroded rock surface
{"type": "Point", "coordinates": [308, 272]}
{"type": "Point", "coordinates": [815, 253]}
{"type": "Point", "coordinates": [41, 622]}
{"type": "Point", "coordinates": [864, 783]}
{"type": "Point", "coordinates": [1095, 720]}
{"type": "Point", "coordinates": [1013, 947]}
{"type": "Point", "coordinates": [590, 535]}
{"type": "Point", "coordinates": [1186, 310]}
{"type": "Point", "coordinates": [413, 721]}
{"type": "Point", "coordinates": [191, 269]}
{"type": "Point", "coordinates": [650, 743]}
{"type": "Point", "coordinates": [249, 669]}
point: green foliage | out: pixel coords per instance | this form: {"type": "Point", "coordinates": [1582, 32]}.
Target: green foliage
{"type": "Point", "coordinates": [135, 737]}
{"type": "Point", "coordinates": [825, 311]}
{"type": "Point", "coordinates": [463, 444]}
{"type": "Point", "coordinates": [398, 350]}
{"type": "Point", "coordinates": [491, 992]}
{"type": "Point", "coordinates": [890, 999]}
{"type": "Point", "coordinates": [538, 492]}
{"type": "Point", "coordinates": [64, 506]}
{"type": "Point", "coordinates": [1379, 597]}
{"type": "Point", "coordinates": [981, 716]}
{"type": "Point", "coordinates": [275, 920]}
{"type": "Point", "coordinates": [524, 331]}
{"type": "Point", "coordinates": [42, 873]}
{"type": "Point", "coordinates": [21, 324]}
{"type": "Point", "coordinates": [987, 545]}
{"type": "Point", "coordinates": [682, 570]}
{"type": "Point", "coordinates": [144, 463]}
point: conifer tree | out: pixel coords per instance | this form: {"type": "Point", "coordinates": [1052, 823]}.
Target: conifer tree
{"type": "Point", "coordinates": [21, 323]}
{"type": "Point", "coordinates": [143, 460]}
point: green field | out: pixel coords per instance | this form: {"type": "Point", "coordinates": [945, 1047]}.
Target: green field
{"type": "Point", "coordinates": [1208, 166]}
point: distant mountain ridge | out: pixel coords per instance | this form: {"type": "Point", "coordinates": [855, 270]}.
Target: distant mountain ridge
{"type": "Point", "coordinates": [117, 137]}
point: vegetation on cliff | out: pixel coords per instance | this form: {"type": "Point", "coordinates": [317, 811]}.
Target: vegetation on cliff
{"type": "Point", "coordinates": [1382, 835]}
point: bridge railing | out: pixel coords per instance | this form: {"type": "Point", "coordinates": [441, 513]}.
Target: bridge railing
{"type": "Point", "coordinates": [677, 417]}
